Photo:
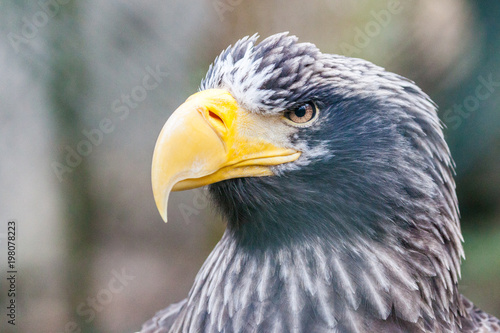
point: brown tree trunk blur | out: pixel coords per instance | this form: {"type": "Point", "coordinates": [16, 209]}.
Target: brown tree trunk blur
{"type": "Point", "coordinates": [67, 87]}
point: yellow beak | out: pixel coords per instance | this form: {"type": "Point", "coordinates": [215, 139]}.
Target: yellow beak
{"type": "Point", "coordinates": [208, 139]}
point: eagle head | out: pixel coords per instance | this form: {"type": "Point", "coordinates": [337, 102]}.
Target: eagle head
{"type": "Point", "coordinates": [336, 184]}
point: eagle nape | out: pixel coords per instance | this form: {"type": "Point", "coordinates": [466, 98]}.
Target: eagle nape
{"type": "Point", "coordinates": [337, 188]}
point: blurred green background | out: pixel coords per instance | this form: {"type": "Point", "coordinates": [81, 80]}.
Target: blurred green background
{"type": "Point", "coordinates": [93, 253]}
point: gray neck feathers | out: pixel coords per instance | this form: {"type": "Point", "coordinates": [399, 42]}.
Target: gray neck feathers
{"type": "Point", "coordinates": [321, 287]}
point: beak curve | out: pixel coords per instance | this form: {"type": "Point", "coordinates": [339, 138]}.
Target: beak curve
{"type": "Point", "coordinates": [206, 140]}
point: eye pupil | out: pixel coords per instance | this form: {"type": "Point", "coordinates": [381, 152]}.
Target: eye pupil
{"type": "Point", "coordinates": [301, 112]}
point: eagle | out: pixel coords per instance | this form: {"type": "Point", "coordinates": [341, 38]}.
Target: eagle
{"type": "Point", "coordinates": [336, 185]}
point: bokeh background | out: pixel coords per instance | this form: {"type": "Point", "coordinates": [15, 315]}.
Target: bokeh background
{"type": "Point", "coordinates": [93, 254]}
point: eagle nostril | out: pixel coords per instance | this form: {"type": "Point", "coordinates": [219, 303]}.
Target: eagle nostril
{"type": "Point", "coordinates": [216, 120]}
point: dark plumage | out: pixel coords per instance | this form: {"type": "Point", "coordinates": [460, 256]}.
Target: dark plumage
{"type": "Point", "coordinates": [360, 234]}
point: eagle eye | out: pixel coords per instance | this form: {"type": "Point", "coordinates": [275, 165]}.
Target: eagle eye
{"type": "Point", "coordinates": [303, 115]}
